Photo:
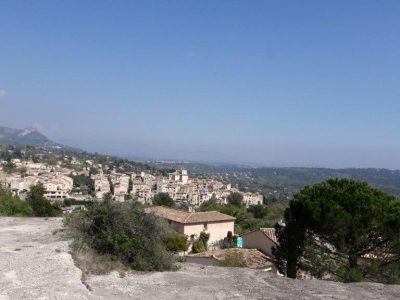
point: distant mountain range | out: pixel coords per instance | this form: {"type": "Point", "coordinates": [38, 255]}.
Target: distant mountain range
{"type": "Point", "coordinates": [28, 137]}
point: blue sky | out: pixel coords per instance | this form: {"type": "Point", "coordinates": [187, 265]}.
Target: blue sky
{"type": "Point", "coordinates": [278, 83]}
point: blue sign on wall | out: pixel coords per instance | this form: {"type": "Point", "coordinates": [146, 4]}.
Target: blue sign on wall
{"type": "Point", "coordinates": [239, 243]}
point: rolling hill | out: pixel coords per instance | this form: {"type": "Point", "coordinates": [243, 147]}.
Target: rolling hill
{"type": "Point", "coordinates": [27, 137]}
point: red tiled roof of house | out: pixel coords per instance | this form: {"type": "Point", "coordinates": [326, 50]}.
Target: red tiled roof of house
{"type": "Point", "coordinates": [270, 233]}
{"type": "Point", "coordinates": [183, 217]}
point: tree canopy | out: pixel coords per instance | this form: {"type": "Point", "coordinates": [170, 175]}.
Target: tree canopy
{"type": "Point", "coordinates": [235, 199]}
{"type": "Point", "coordinates": [163, 199]}
{"type": "Point", "coordinates": [11, 205]}
{"type": "Point", "coordinates": [259, 211]}
{"type": "Point", "coordinates": [41, 207]}
{"type": "Point", "coordinates": [245, 218]}
{"type": "Point", "coordinates": [342, 230]}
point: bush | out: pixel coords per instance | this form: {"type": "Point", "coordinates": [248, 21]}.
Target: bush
{"type": "Point", "coordinates": [259, 211]}
{"type": "Point", "coordinates": [198, 246]}
{"type": "Point", "coordinates": [41, 207]}
{"type": "Point", "coordinates": [176, 242]}
{"type": "Point", "coordinates": [163, 199]}
{"type": "Point", "coordinates": [11, 205]}
{"type": "Point", "coordinates": [71, 201]}
{"type": "Point", "coordinates": [84, 183]}
{"type": "Point", "coordinates": [121, 232]}
{"type": "Point", "coordinates": [233, 258]}
{"type": "Point", "coordinates": [204, 237]}
{"type": "Point", "coordinates": [230, 241]}
{"type": "Point", "coordinates": [235, 199]}
{"type": "Point", "coordinates": [248, 225]}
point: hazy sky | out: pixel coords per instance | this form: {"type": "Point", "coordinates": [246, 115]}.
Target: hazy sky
{"type": "Point", "coordinates": [280, 83]}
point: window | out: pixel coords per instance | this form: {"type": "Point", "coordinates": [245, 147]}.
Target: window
{"type": "Point", "coordinates": [205, 226]}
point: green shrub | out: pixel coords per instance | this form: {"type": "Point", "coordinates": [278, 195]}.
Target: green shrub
{"type": "Point", "coordinates": [229, 241]}
{"type": "Point", "coordinates": [11, 205]}
{"type": "Point", "coordinates": [198, 246]}
{"type": "Point", "coordinates": [259, 211]}
{"type": "Point", "coordinates": [176, 242]}
{"type": "Point", "coordinates": [163, 199]}
{"type": "Point", "coordinates": [253, 224]}
{"type": "Point", "coordinates": [70, 201]}
{"type": "Point", "coordinates": [122, 233]}
{"type": "Point", "coordinates": [233, 258]}
{"type": "Point", "coordinates": [41, 207]}
{"type": "Point", "coordinates": [204, 237]}
{"type": "Point", "coordinates": [235, 199]}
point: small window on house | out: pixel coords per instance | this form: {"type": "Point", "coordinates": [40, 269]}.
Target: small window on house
{"type": "Point", "coordinates": [205, 226]}
{"type": "Point", "coordinates": [192, 238]}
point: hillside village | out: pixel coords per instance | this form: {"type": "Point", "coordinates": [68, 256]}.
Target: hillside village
{"type": "Point", "coordinates": [106, 179]}
{"type": "Point", "coordinates": [203, 221]}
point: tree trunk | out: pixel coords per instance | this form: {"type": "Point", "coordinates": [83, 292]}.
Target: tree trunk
{"type": "Point", "coordinates": [291, 270]}
{"type": "Point", "coordinates": [353, 260]}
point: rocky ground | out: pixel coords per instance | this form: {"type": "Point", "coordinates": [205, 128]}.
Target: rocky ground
{"type": "Point", "coordinates": [35, 264]}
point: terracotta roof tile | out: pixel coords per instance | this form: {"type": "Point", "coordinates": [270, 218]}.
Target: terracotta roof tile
{"type": "Point", "coordinates": [186, 217]}
{"type": "Point", "coordinates": [270, 233]}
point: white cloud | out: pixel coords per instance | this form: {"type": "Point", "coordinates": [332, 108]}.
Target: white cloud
{"type": "Point", "coordinates": [3, 93]}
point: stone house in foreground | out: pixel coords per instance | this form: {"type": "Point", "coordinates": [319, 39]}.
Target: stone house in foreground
{"type": "Point", "coordinates": [192, 224]}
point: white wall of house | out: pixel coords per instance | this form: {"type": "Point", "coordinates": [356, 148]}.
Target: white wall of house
{"type": "Point", "coordinates": [217, 230]}
{"type": "Point", "coordinates": [258, 240]}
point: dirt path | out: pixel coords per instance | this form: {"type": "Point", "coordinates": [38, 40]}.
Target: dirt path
{"type": "Point", "coordinates": [35, 264]}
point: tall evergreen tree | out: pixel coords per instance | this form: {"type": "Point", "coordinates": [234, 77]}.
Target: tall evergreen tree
{"type": "Point", "coordinates": [341, 229]}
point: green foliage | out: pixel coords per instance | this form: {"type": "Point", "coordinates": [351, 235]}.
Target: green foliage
{"type": "Point", "coordinates": [130, 185]}
{"type": "Point", "coordinates": [244, 219]}
{"type": "Point", "coordinates": [123, 233]}
{"type": "Point", "coordinates": [9, 167]}
{"type": "Point", "coordinates": [331, 227]}
{"type": "Point", "coordinates": [235, 199]}
{"type": "Point", "coordinates": [251, 224]}
{"type": "Point", "coordinates": [128, 197]}
{"type": "Point", "coordinates": [11, 205]}
{"type": "Point", "coordinates": [182, 206]}
{"type": "Point", "coordinates": [198, 246]}
{"type": "Point", "coordinates": [107, 197]}
{"type": "Point", "coordinates": [163, 199]}
{"type": "Point", "coordinates": [93, 171]}
{"type": "Point", "coordinates": [233, 258]}
{"type": "Point", "coordinates": [176, 242]}
{"type": "Point", "coordinates": [210, 205]}
{"type": "Point", "coordinates": [230, 241]}
{"type": "Point", "coordinates": [84, 183]}
{"type": "Point", "coordinates": [276, 211]}
{"type": "Point", "coordinates": [259, 211]}
{"type": "Point", "coordinates": [240, 213]}
{"type": "Point", "coordinates": [204, 237]}
{"type": "Point", "coordinates": [69, 202]}
{"type": "Point", "coordinates": [41, 207]}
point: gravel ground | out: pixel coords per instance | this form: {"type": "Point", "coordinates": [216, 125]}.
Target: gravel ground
{"type": "Point", "coordinates": [35, 264]}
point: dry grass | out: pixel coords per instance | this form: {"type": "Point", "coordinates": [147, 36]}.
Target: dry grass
{"type": "Point", "coordinates": [233, 258]}
{"type": "Point", "coordinates": [90, 262]}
